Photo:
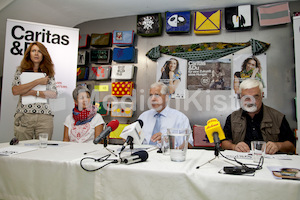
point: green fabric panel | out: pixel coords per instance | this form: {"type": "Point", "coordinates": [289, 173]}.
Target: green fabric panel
{"type": "Point", "coordinates": [206, 51]}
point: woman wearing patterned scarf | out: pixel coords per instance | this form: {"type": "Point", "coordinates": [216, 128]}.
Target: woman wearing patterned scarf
{"type": "Point", "coordinates": [251, 68]}
{"type": "Point", "coordinates": [84, 124]}
{"type": "Point", "coordinates": [34, 116]}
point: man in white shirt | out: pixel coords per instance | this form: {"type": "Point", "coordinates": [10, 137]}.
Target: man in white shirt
{"type": "Point", "coordinates": [169, 118]}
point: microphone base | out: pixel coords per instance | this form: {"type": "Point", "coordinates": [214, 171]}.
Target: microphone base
{"type": "Point", "coordinates": [111, 151]}
{"type": "Point", "coordinates": [206, 162]}
{"type": "Point", "coordinates": [211, 161]}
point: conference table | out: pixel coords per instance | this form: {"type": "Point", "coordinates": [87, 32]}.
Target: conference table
{"type": "Point", "coordinates": [29, 172]}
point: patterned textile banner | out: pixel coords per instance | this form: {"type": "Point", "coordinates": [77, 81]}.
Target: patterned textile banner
{"type": "Point", "coordinates": [274, 14]}
{"type": "Point", "coordinates": [206, 51]}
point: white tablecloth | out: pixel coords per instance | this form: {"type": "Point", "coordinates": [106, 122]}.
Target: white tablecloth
{"type": "Point", "coordinates": [55, 173]}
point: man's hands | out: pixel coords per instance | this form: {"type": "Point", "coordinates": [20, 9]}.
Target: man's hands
{"type": "Point", "coordinates": [156, 137]}
{"type": "Point", "coordinates": [271, 147]}
{"type": "Point", "coordinates": [241, 147]}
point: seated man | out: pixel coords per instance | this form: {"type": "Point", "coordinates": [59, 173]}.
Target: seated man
{"type": "Point", "coordinates": [168, 117]}
{"type": "Point", "coordinates": [256, 121]}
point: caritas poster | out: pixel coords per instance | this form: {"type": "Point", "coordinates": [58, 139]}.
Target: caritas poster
{"type": "Point", "coordinates": [209, 75]}
{"type": "Point", "coordinates": [62, 45]}
{"type": "Point", "coordinates": [172, 71]}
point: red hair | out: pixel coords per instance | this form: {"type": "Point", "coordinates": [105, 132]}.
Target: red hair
{"type": "Point", "coordinates": [46, 65]}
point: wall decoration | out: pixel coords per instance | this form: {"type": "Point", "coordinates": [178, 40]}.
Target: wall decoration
{"type": "Point", "coordinates": [149, 25]}
{"type": "Point", "coordinates": [123, 38]}
{"type": "Point", "coordinates": [274, 14]}
{"type": "Point", "coordinates": [99, 72]}
{"type": "Point", "coordinates": [206, 51]}
{"type": "Point", "coordinates": [178, 22]}
{"type": "Point", "coordinates": [101, 56]}
{"type": "Point", "coordinates": [101, 40]}
{"type": "Point", "coordinates": [208, 22]}
{"type": "Point", "coordinates": [82, 73]}
{"type": "Point", "coordinates": [103, 107]}
{"type": "Point", "coordinates": [124, 55]}
{"type": "Point", "coordinates": [239, 17]}
{"type": "Point", "coordinates": [83, 57]}
{"type": "Point", "coordinates": [172, 71]}
{"type": "Point", "coordinates": [249, 66]}
{"type": "Point", "coordinates": [120, 89]}
{"type": "Point", "coordinates": [121, 109]}
{"type": "Point", "coordinates": [209, 75]}
{"type": "Point", "coordinates": [84, 41]}
{"type": "Point", "coordinates": [122, 72]}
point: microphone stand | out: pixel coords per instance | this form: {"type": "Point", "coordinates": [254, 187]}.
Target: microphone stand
{"type": "Point", "coordinates": [217, 149]}
{"type": "Point", "coordinates": [129, 142]}
{"type": "Point", "coordinates": [131, 146]}
{"type": "Point", "coordinates": [109, 150]}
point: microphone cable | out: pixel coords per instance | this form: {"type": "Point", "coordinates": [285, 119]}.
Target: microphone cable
{"type": "Point", "coordinates": [101, 159]}
{"type": "Point", "coordinates": [247, 166]}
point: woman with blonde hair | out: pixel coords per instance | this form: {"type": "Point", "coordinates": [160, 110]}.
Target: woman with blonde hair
{"type": "Point", "coordinates": [31, 119]}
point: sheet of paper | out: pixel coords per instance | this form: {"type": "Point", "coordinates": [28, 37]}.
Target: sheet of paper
{"type": "Point", "coordinates": [248, 155]}
{"type": "Point", "coordinates": [27, 77]}
{"type": "Point", "coordinates": [11, 150]}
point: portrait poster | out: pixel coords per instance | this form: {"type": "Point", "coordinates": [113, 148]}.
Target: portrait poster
{"type": "Point", "coordinates": [248, 66]}
{"type": "Point", "coordinates": [209, 74]}
{"type": "Point", "coordinates": [172, 71]}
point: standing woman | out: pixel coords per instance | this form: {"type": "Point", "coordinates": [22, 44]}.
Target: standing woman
{"type": "Point", "coordinates": [33, 119]}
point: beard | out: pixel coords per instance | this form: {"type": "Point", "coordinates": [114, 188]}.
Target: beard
{"type": "Point", "coordinates": [249, 107]}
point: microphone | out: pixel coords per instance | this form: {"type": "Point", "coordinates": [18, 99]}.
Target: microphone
{"type": "Point", "coordinates": [111, 126]}
{"type": "Point", "coordinates": [133, 134]}
{"type": "Point", "coordinates": [214, 133]}
{"type": "Point", "coordinates": [139, 156]}
{"type": "Point", "coordinates": [14, 141]}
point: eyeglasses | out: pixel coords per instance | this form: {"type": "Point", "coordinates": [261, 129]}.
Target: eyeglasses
{"type": "Point", "coordinates": [155, 95]}
{"type": "Point", "coordinates": [250, 97]}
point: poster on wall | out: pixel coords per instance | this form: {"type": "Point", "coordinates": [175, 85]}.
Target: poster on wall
{"type": "Point", "coordinates": [209, 75]}
{"type": "Point", "coordinates": [172, 71]}
{"type": "Point", "coordinates": [62, 45]}
{"type": "Point", "coordinates": [249, 66]}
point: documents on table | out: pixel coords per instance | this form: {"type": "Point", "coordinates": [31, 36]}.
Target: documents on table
{"type": "Point", "coordinates": [248, 155]}
{"type": "Point", "coordinates": [27, 77]}
{"type": "Point", "coordinates": [11, 150]}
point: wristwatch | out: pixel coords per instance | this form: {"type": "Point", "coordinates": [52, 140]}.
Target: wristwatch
{"type": "Point", "coordinates": [37, 93]}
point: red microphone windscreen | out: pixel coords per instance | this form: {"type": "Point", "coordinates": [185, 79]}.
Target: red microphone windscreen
{"type": "Point", "coordinates": [113, 124]}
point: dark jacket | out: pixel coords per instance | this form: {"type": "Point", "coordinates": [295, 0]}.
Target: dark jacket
{"type": "Point", "coordinates": [270, 125]}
